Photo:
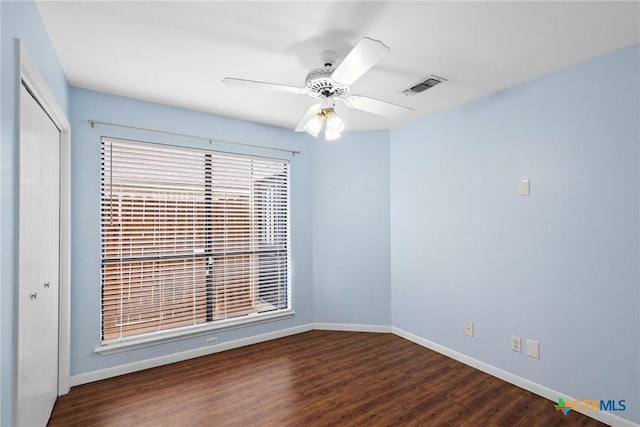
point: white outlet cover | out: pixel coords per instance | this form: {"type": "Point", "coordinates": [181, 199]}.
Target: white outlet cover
{"type": "Point", "coordinates": [533, 349]}
{"type": "Point", "coordinates": [516, 344]}
{"type": "Point", "coordinates": [468, 328]}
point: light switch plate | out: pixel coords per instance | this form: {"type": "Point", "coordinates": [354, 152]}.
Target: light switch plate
{"type": "Point", "coordinates": [523, 187]}
{"type": "Point", "coordinates": [533, 349]}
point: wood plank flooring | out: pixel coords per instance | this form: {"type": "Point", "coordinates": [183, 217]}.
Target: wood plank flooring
{"type": "Point", "coordinates": [318, 378]}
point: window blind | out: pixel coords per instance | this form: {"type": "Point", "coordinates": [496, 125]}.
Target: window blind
{"type": "Point", "coordinates": [190, 237]}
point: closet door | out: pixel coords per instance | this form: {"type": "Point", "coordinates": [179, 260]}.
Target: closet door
{"type": "Point", "coordinates": [39, 252]}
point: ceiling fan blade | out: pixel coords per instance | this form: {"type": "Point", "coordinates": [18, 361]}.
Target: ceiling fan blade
{"type": "Point", "coordinates": [363, 56]}
{"type": "Point", "coordinates": [312, 111]}
{"type": "Point", "coordinates": [262, 85]}
{"type": "Point", "coordinates": [381, 108]}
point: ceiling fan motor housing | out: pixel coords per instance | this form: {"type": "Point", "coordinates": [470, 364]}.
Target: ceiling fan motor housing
{"type": "Point", "coordinates": [320, 84]}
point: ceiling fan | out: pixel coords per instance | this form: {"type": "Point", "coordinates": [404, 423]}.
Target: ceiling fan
{"type": "Point", "coordinates": [330, 83]}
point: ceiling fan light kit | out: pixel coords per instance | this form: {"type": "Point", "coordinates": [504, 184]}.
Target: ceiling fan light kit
{"type": "Point", "coordinates": [329, 83]}
{"type": "Point", "coordinates": [327, 118]}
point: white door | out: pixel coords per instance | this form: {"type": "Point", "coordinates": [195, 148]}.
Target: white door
{"type": "Point", "coordinates": [37, 380]}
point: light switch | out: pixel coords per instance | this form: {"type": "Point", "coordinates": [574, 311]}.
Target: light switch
{"type": "Point", "coordinates": [523, 187]}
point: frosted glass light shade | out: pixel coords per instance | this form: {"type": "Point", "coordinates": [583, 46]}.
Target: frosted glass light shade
{"type": "Point", "coordinates": [334, 126]}
{"type": "Point", "coordinates": [314, 125]}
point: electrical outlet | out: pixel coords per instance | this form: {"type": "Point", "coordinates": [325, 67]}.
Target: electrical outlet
{"type": "Point", "coordinates": [533, 349]}
{"type": "Point", "coordinates": [211, 341]}
{"type": "Point", "coordinates": [516, 344]}
{"type": "Point", "coordinates": [468, 328]}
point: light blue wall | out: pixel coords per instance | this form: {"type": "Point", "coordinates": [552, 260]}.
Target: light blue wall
{"type": "Point", "coordinates": [85, 209]}
{"type": "Point", "coordinates": [440, 220]}
{"type": "Point", "coordinates": [560, 266]}
{"type": "Point", "coordinates": [350, 279]}
{"type": "Point", "coordinates": [20, 20]}
{"type": "Point", "coordinates": [351, 264]}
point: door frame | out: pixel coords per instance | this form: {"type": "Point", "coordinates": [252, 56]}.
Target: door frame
{"type": "Point", "coordinates": [29, 74]}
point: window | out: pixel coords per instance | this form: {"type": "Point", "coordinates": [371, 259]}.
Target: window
{"type": "Point", "coordinates": [190, 238]}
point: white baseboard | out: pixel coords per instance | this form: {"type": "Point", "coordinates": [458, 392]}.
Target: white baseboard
{"type": "Point", "coordinates": [540, 390]}
{"type": "Point", "coordinates": [185, 355]}
{"type": "Point", "coordinates": [139, 365]}
{"type": "Point", "coordinates": [546, 392]}
{"type": "Point", "coordinates": [352, 327]}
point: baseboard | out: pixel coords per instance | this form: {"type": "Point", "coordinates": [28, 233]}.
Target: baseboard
{"type": "Point", "coordinates": [540, 390]}
{"type": "Point", "coordinates": [128, 368]}
{"type": "Point", "coordinates": [352, 327]}
{"type": "Point", "coordinates": [185, 355]}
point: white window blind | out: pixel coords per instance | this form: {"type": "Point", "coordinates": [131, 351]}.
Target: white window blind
{"type": "Point", "coordinates": [190, 237]}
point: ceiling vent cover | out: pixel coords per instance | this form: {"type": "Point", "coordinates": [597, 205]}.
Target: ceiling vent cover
{"type": "Point", "coordinates": [427, 83]}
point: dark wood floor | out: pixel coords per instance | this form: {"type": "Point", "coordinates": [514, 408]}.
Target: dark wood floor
{"type": "Point", "coordinates": [317, 378]}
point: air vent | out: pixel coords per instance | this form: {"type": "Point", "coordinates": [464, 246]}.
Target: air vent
{"type": "Point", "coordinates": [425, 84]}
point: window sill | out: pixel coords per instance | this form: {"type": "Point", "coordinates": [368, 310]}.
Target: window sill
{"type": "Point", "coordinates": [170, 336]}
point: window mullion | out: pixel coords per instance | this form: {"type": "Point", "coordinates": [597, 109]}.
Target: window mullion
{"type": "Point", "coordinates": [208, 200]}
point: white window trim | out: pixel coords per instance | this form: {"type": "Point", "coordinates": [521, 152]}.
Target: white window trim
{"type": "Point", "coordinates": [178, 334]}
{"type": "Point", "coordinates": [148, 339]}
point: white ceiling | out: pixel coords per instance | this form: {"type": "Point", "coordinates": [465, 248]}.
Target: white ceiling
{"type": "Point", "coordinates": [177, 53]}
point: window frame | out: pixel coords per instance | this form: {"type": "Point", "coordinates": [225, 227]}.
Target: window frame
{"type": "Point", "coordinates": [146, 339]}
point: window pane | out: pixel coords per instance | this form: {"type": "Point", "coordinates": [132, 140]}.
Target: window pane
{"type": "Point", "coordinates": [189, 237]}
{"type": "Point", "coordinates": [150, 296]}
